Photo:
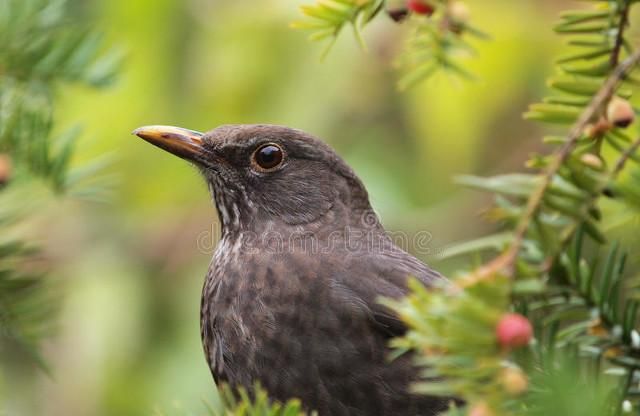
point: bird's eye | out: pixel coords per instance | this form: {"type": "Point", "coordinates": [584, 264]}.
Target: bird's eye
{"type": "Point", "coordinates": [268, 157]}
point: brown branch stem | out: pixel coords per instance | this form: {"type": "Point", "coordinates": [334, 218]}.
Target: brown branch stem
{"type": "Point", "coordinates": [505, 263]}
{"type": "Point", "coordinates": [588, 115]}
{"type": "Point", "coordinates": [624, 19]}
{"type": "Point", "coordinates": [620, 163]}
{"type": "Point", "coordinates": [570, 232]}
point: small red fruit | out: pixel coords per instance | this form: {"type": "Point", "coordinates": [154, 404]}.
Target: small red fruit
{"type": "Point", "coordinates": [420, 7]}
{"type": "Point", "coordinates": [513, 331]}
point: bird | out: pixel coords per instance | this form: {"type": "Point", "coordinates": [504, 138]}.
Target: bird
{"type": "Point", "coordinates": [291, 299]}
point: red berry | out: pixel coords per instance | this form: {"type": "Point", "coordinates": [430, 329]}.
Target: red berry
{"type": "Point", "coordinates": [513, 331]}
{"type": "Point", "coordinates": [420, 7]}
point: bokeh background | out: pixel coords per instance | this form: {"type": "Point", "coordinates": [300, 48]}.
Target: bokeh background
{"type": "Point", "coordinates": [130, 270]}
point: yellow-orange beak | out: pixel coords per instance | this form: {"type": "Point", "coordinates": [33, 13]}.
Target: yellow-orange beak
{"type": "Point", "coordinates": [184, 143]}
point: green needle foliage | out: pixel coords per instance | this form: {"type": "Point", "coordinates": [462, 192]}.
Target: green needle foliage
{"type": "Point", "coordinates": [26, 304]}
{"type": "Point", "coordinates": [438, 43]}
{"type": "Point", "coordinates": [239, 402]}
{"type": "Point", "coordinates": [455, 335]}
{"type": "Point", "coordinates": [242, 404]}
{"type": "Point", "coordinates": [327, 18]}
{"type": "Point", "coordinates": [43, 47]}
{"type": "Point", "coordinates": [438, 39]}
{"type": "Point", "coordinates": [552, 259]}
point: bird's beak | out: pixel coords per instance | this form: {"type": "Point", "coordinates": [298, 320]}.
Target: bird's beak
{"type": "Point", "coordinates": [184, 143]}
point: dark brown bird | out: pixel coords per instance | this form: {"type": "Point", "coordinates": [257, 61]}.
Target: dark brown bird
{"type": "Point", "coordinates": [291, 298]}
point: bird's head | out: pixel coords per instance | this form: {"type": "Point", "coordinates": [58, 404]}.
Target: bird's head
{"type": "Point", "coordinates": [260, 173]}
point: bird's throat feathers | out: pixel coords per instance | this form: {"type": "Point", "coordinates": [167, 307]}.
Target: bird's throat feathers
{"type": "Point", "coordinates": [235, 210]}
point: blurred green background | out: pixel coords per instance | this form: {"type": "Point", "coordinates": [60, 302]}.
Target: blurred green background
{"type": "Point", "coordinates": [131, 270]}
